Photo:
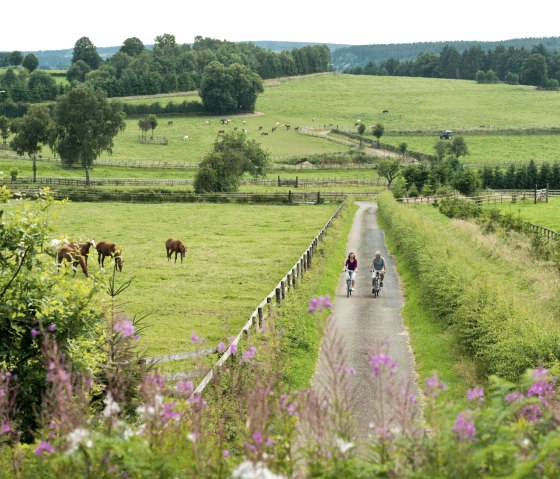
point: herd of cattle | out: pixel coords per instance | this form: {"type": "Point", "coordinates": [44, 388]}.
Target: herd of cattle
{"type": "Point", "coordinates": [77, 253]}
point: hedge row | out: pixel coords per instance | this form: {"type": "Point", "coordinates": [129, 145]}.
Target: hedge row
{"type": "Point", "coordinates": [488, 323]}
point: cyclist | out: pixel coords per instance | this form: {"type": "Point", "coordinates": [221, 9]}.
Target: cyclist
{"type": "Point", "coordinates": [378, 264]}
{"type": "Point", "coordinates": [351, 266]}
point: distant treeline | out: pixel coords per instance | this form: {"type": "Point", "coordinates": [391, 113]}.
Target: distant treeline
{"type": "Point", "coordinates": [167, 67]}
{"type": "Point", "coordinates": [351, 56]}
{"type": "Point", "coordinates": [522, 176]}
{"type": "Point", "coordinates": [537, 65]}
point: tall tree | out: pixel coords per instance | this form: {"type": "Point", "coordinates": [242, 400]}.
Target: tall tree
{"type": "Point", "coordinates": [132, 47]}
{"type": "Point", "coordinates": [233, 155]}
{"type": "Point", "coordinates": [153, 122]}
{"type": "Point", "coordinates": [388, 168]}
{"type": "Point", "coordinates": [378, 129]}
{"type": "Point", "coordinates": [31, 62]}
{"type": "Point", "coordinates": [458, 147]}
{"type": "Point", "coordinates": [78, 71]}
{"type": "Point", "coordinates": [4, 129]}
{"type": "Point", "coordinates": [32, 131]}
{"type": "Point", "coordinates": [15, 58]}
{"type": "Point", "coordinates": [85, 50]}
{"type": "Point", "coordinates": [533, 71]}
{"type": "Point", "coordinates": [229, 89]}
{"type": "Point", "coordinates": [86, 124]}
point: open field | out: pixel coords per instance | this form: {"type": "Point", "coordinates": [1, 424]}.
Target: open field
{"type": "Point", "coordinates": [338, 100]}
{"type": "Point", "coordinates": [236, 255]}
{"type": "Point", "coordinates": [542, 214]}
{"type": "Point", "coordinates": [492, 149]}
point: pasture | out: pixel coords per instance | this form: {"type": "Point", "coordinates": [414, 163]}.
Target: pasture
{"type": "Point", "coordinates": [235, 257]}
{"type": "Point", "coordinates": [335, 100]}
{"type": "Point", "coordinates": [542, 214]}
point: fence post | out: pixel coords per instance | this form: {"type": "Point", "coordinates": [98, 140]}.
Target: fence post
{"type": "Point", "coordinates": [283, 289]}
{"type": "Point", "coordinates": [260, 313]}
{"type": "Point", "coordinates": [294, 277]}
{"type": "Point", "coordinates": [278, 295]}
{"type": "Point", "coordinates": [309, 258]}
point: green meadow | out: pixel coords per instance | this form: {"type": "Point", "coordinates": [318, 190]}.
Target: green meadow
{"type": "Point", "coordinates": [336, 100]}
{"type": "Point", "coordinates": [542, 214]}
{"type": "Point", "coordinates": [236, 255]}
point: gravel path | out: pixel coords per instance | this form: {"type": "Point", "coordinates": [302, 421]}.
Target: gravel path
{"type": "Point", "coordinates": [362, 320]}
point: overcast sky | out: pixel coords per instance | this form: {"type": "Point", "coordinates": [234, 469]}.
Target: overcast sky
{"type": "Point", "coordinates": [42, 25]}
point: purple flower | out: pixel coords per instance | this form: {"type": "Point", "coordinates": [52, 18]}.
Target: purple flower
{"type": "Point", "coordinates": [257, 437]}
{"type": "Point", "coordinates": [184, 387]}
{"type": "Point", "coordinates": [475, 393]}
{"type": "Point", "coordinates": [194, 338]}
{"type": "Point", "coordinates": [6, 428]}
{"type": "Point", "coordinates": [169, 411]}
{"type": "Point", "coordinates": [52, 328]}
{"type": "Point", "coordinates": [221, 347]}
{"type": "Point", "coordinates": [539, 388]}
{"type": "Point", "coordinates": [125, 327]}
{"type": "Point", "coordinates": [233, 348]}
{"type": "Point", "coordinates": [316, 305]}
{"type": "Point", "coordinates": [250, 353]}
{"type": "Point", "coordinates": [514, 396]}
{"type": "Point", "coordinates": [433, 386]}
{"type": "Point", "coordinates": [464, 427]}
{"type": "Point", "coordinates": [380, 360]}
{"type": "Point", "coordinates": [531, 412]}
{"type": "Point", "coordinates": [43, 447]}
{"type": "Point", "coordinates": [34, 332]}
{"type": "Point", "coordinates": [225, 453]}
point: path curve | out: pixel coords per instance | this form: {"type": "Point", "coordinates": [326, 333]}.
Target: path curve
{"type": "Point", "coordinates": [361, 320]}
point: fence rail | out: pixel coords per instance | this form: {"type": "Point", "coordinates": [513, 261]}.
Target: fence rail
{"type": "Point", "coordinates": [278, 294]}
{"type": "Point", "coordinates": [294, 182]}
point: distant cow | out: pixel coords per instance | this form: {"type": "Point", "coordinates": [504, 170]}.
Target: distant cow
{"type": "Point", "coordinates": [206, 122]}
{"type": "Point", "coordinates": [169, 123]}
{"type": "Point", "coordinates": [273, 129]}
{"type": "Point", "coordinates": [264, 133]}
{"type": "Point", "coordinates": [385, 111]}
{"type": "Point", "coordinates": [220, 133]}
{"type": "Point", "coordinates": [186, 137]}
{"type": "Point", "coordinates": [357, 122]}
{"type": "Point", "coordinates": [260, 128]}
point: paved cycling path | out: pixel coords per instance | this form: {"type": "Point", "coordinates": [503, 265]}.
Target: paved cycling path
{"type": "Point", "coordinates": [361, 320]}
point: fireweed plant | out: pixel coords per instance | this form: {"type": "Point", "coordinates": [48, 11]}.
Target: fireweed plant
{"type": "Point", "coordinates": [126, 420]}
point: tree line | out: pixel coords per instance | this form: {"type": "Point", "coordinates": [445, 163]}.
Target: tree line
{"type": "Point", "coordinates": [537, 66]}
{"type": "Point", "coordinates": [168, 67]}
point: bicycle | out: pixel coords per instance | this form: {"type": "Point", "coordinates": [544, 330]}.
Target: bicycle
{"type": "Point", "coordinates": [376, 283]}
{"type": "Point", "coordinates": [348, 282]}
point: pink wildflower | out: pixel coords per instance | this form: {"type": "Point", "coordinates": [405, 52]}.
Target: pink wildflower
{"type": "Point", "coordinates": [464, 427]}
{"type": "Point", "coordinates": [221, 347]}
{"type": "Point", "coordinates": [43, 447]}
{"type": "Point", "coordinates": [475, 393]}
{"type": "Point", "coordinates": [316, 305]}
{"type": "Point", "coordinates": [433, 386]}
{"type": "Point", "coordinates": [125, 327]}
{"type": "Point", "coordinates": [184, 387]}
{"type": "Point", "coordinates": [380, 361]}
{"type": "Point", "coordinates": [194, 338]}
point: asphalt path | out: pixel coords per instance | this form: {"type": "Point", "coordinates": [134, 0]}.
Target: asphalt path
{"type": "Point", "coordinates": [362, 320]}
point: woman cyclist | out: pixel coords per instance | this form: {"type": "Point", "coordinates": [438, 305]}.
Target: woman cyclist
{"type": "Point", "coordinates": [351, 266]}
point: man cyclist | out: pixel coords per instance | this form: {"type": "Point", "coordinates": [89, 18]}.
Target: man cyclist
{"type": "Point", "coordinates": [378, 264]}
{"type": "Point", "coordinates": [351, 266]}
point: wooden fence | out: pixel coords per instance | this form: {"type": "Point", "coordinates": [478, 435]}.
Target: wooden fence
{"type": "Point", "coordinates": [290, 281]}
{"type": "Point", "coordinates": [294, 182]}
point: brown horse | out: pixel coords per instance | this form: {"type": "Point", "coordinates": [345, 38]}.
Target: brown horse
{"type": "Point", "coordinates": [73, 256]}
{"type": "Point", "coordinates": [176, 246]}
{"type": "Point", "coordinates": [83, 248]}
{"type": "Point", "coordinates": [105, 249]}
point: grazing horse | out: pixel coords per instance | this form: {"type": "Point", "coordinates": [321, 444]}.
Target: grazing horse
{"type": "Point", "coordinates": [83, 248]}
{"type": "Point", "coordinates": [385, 111]}
{"type": "Point", "coordinates": [72, 255]}
{"type": "Point", "coordinates": [105, 249]}
{"type": "Point", "coordinates": [176, 246]}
